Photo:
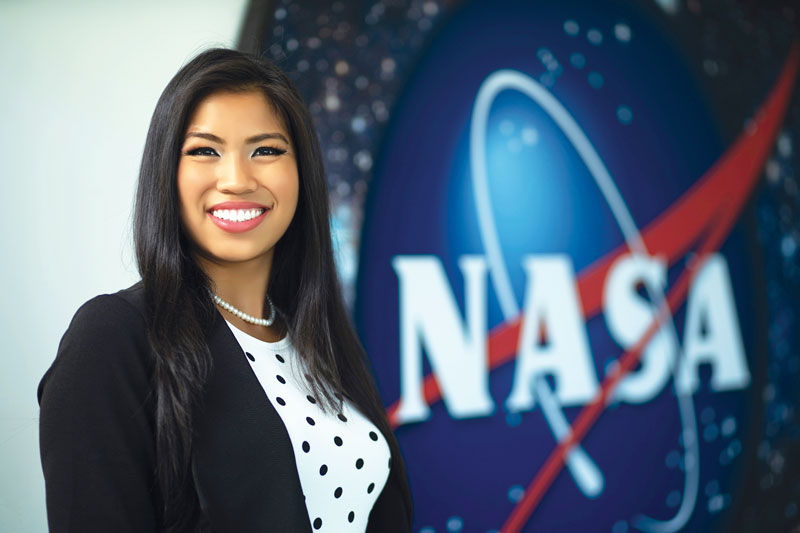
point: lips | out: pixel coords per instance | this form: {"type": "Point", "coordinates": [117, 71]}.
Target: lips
{"type": "Point", "coordinates": [238, 217]}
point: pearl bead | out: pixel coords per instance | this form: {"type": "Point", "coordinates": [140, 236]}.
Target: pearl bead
{"type": "Point", "coordinates": [244, 316]}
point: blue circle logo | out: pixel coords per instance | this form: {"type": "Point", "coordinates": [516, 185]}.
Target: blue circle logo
{"type": "Point", "coordinates": [554, 280]}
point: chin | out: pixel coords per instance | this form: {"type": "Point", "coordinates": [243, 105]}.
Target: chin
{"type": "Point", "coordinates": [237, 254]}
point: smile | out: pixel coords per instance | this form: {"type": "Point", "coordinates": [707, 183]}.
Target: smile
{"type": "Point", "coordinates": [237, 215]}
{"type": "Point", "coordinates": [238, 220]}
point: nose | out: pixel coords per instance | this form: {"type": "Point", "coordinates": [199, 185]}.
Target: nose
{"type": "Point", "coordinates": [235, 177]}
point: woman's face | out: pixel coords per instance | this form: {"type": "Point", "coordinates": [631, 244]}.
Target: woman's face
{"type": "Point", "coordinates": [237, 178]}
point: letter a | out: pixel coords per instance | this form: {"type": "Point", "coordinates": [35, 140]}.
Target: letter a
{"type": "Point", "coordinates": [719, 343]}
{"type": "Point", "coordinates": [551, 301]}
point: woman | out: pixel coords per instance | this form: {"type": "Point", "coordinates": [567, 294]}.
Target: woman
{"type": "Point", "coordinates": [226, 391]}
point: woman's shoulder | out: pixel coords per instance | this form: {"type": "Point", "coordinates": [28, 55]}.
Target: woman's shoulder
{"type": "Point", "coordinates": [109, 318]}
{"type": "Point", "coordinates": [106, 339]}
{"type": "Point", "coordinates": [107, 307]}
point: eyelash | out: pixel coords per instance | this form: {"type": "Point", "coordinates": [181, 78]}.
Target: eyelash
{"type": "Point", "coordinates": [203, 150]}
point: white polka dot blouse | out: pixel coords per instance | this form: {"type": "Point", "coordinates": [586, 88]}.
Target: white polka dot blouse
{"type": "Point", "coordinates": [343, 460]}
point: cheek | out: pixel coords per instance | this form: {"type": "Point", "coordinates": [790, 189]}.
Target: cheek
{"type": "Point", "coordinates": [295, 184]}
{"type": "Point", "coordinates": [295, 192]}
{"type": "Point", "coordinates": [182, 184]}
{"type": "Point", "coordinates": [295, 200]}
{"type": "Point", "coordinates": [289, 189]}
{"type": "Point", "coordinates": [187, 200]}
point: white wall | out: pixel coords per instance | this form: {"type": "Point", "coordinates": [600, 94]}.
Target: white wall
{"type": "Point", "coordinates": [78, 83]}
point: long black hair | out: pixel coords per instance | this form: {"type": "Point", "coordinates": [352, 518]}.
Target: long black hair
{"type": "Point", "coordinates": [303, 282]}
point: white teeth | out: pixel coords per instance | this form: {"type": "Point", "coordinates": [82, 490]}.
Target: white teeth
{"type": "Point", "coordinates": [237, 215]}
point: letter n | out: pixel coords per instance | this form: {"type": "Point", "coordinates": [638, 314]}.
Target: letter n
{"type": "Point", "coordinates": [429, 317]}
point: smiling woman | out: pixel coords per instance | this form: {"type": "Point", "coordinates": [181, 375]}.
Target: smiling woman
{"type": "Point", "coordinates": [238, 186]}
{"type": "Point", "coordinates": [165, 412]}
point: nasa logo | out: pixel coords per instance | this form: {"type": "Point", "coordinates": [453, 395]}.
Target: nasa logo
{"type": "Point", "coordinates": [504, 273]}
{"type": "Point", "coordinates": [553, 337]}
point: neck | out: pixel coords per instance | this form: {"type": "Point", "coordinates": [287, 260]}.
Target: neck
{"type": "Point", "coordinates": [241, 284]}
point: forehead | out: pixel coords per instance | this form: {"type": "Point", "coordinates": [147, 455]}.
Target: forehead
{"type": "Point", "coordinates": [241, 112]}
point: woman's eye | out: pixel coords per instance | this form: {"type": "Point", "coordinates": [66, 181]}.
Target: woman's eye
{"type": "Point", "coordinates": [268, 150]}
{"type": "Point", "coordinates": [201, 151]}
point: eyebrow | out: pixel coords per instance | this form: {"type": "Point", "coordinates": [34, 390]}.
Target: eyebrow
{"type": "Point", "coordinates": [249, 140]}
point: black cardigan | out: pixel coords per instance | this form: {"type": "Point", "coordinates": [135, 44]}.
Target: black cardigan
{"type": "Point", "coordinates": [97, 439]}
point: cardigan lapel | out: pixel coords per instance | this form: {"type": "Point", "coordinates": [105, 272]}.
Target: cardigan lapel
{"type": "Point", "coordinates": [244, 462]}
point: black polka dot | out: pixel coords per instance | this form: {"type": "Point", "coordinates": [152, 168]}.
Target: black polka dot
{"type": "Point", "coordinates": [306, 446]}
{"type": "Point", "coordinates": [342, 417]}
{"type": "Point", "coordinates": [317, 523]}
{"type": "Point", "coordinates": [280, 400]}
{"type": "Point", "coordinates": [311, 399]}
{"type": "Point", "coordinates": [338, 492]}
{"type": "Point", "coordinates": [351, 516]}
{"type": "Point", "coordinates": [280, 378]}
{"type": "Point", "coordinates": [370, 488]}
{"type": "Point", "coordinates": [373, 435]}
{"type": "Point", "coordinates": [250, 356]}
{"type": "Point", "coordinates": [310, 421]}
{"type": "Point", "coordinates": [337, 440]}
{"type": "Point", "coordinates": [359, 463]}
{"type": "Point", "coordinates": [279, 358]}
{"type": "Point", "coordinates": [323, 470]}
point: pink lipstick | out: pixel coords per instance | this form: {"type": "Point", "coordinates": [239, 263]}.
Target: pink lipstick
{"type": "Point", "coordinates": [233, 217]}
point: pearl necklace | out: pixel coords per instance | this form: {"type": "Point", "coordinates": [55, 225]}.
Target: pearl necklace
{"type": "Point", "coordinates": [244, 316]}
